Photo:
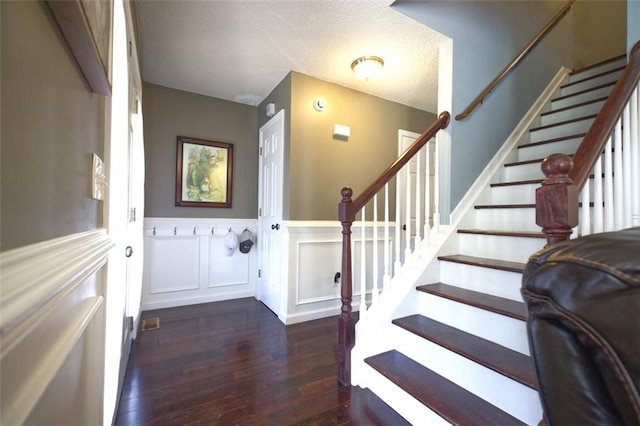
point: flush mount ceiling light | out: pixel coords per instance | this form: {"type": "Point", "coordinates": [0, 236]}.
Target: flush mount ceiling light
{"type": "Point", "coordinates": [367, 67]}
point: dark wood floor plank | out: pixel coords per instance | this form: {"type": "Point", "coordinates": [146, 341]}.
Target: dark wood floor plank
{"type": "Point", "coordinates": [235, 363]}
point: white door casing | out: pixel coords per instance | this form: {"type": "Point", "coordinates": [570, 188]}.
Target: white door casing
{"type": "Point", "coordinates": [270, 201]}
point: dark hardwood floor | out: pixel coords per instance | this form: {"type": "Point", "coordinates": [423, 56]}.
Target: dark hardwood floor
{"type": "Point", "coordinates": [235, 363]}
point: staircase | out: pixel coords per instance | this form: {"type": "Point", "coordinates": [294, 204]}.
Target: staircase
{"type": "Point", "coordinates": [461, 356]}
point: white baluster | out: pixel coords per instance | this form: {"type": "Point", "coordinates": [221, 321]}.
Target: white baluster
{"type": "Point", "coordinates": [363, 268]}
{"type": "Point", "coordinates": [585, 211]}
{"type": "Point", "coordinates": [436, 190]}
{"type": "Point", "coordinates": [386, 277]}
{"type": "Point", "coordinates": [626, 165]}
{"type": "Point", "coordinates": [418, 224]}
{"type": "Point", "coordinates": [598, 219]}
{"type": "Point", "coordinates": [618, 198]}
{"type": "Point", "coordinates": [407, 236]}
{"type": "Point", "coordinates": [427, 195]}
{"type": "Point", "coordinates": [374, 272]}
{"type": "Point", "coordinates": [635, 157]}
{"type": "Point", "coordinates": [608, 186]}
{"type": "Point", "coordinates": [397, 263]}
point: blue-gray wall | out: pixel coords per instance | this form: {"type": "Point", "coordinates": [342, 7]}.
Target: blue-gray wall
{"type": "Point", "coordinates": [486, 36]}
{"type": "Point", "coordinates": [633, 23]}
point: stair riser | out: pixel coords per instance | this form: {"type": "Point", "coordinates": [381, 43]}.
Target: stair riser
{"type": "Point", "coordinates": [598, 70]}
{"type": "Point", "coordinates": [558, 131]}
{"type": "Point", "coordinates": [505, 331]}
{"type": "Point", "coordinates": [522, 172]}
{"type": "Point", "coordinates": [404, 404]}
{"type": "Point", "coordinates": [593, 82]}
{"type": "Point", "coordinates": [568, 146]}
{"type": "Point", "coordinates": [510, 396]}
{"type": "Point", "coordinates": [564, 115]}
{"type": "Point", "coordinates": [582, 97]}
{"type": "Point", "coordinates": [488, 280]}
{"type": "Point", "coordinates": [523, 219]}
{"type": "Point", "coordinates": [514, 249]}
{"type": "Point", "coordinates": [514, 194]}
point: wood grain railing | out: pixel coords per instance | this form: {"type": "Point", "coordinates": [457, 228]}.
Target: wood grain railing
{"type": "Point", "coordinates": [516, 60]}
{"type": "Point", "coordinates": [557, 201]}
{"type": "Point", "coordinates": [347, 210]}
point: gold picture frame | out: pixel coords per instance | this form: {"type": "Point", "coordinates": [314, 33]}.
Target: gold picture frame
{"type": "Point", "coordinates": [203, 173]}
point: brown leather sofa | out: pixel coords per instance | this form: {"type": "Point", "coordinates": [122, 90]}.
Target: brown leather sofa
{"type": "Point", "coordinates": [583, 298]}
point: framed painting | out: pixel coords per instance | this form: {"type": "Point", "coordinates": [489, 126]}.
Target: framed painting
{"type": "Point", "coordinates": [86, 26]}
{"type": "Point", "coordinates": [203, 173]}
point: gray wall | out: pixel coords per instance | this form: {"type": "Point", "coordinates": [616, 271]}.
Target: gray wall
{"type": "Point", "coordinates": [51, 124]}
{"type": "Point", "coordinates": [486, 36]}
{"type": "Point", "coordinates": [633, 23]}
{"type": "Point", "coordinates": [169, 113]}
{"type": "Point", "coordinates": [609, 17]}
{"type": "Point", "coordinates": [321, 165]}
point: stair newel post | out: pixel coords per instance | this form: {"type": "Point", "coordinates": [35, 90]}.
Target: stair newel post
{"type": "Point", "coordinates": [557, 199]}
{"type": "Point", "coordinates": [346, 323]}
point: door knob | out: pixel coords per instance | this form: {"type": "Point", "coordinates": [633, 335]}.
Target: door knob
{"type": "Point", "coordinates": [128, 252]}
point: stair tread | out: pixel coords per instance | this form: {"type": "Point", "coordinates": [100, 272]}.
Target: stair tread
{"type": "Point", "coordinates": [524, 162]}
{"type": "Point", "coordinates": [567, 108]}
{"type": "Point", "coordinates": [517, 182]}
{"type": "Point", "coordinates": [553, 140]}
{"type": "Point", "coordinates": [500, 359]}
{"type": "Point", "coordinates": [453, 403]}
{"type": "Point", "coordinates": [562, 123]}
{"type": "Point", "coordinates": [505, 206]}
{"type": "Point", "coordinates": [504, 265]}
{"type": "Point", "coordinates": [498, 305]}
{"type": "Point", "coordinates": [499, 233]}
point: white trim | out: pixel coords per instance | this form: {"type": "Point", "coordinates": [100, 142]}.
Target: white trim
{"type": "Point", "coordinates": [510, 143]}
{"type": "Point", "coordinates": [194, 300]}
{"type": "Point", "coordinates": [32, 278]}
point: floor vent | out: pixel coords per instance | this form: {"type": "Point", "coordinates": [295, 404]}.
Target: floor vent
{"type": "Point", "coordinates": [150, 324]}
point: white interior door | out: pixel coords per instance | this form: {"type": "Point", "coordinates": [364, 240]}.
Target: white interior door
{"type": "Point", "coordinates": [270, 198]}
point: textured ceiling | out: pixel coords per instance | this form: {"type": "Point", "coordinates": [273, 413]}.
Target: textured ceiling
{"type": "Point", "coordinates": [240, 50]}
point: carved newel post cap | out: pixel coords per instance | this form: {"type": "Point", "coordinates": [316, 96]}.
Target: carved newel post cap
{"type": "Point", "coordinates": [346, 194]}
{"type": "Point", "coordinates": [556, 168]}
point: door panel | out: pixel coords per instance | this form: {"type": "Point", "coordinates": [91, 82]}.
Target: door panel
{"type": "Point", "coordinates": [270, 201]}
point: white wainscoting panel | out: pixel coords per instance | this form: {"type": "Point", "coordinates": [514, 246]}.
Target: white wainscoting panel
{"type": "Point", "coordinates": [52, 330]}
{"type": "Point", "coordinates": [185, 262]}
{"type": "Point", "coordinates": [315, 255]}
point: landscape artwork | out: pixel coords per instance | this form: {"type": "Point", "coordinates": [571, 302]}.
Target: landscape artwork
{"type": "Point", "coordinates": [204, 170]}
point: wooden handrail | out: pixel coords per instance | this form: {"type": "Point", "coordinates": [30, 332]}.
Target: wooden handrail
{"type": "Point", "coordinates": [557, 199]}
{"type": "Point", "coordinates": [347, 209]}
{"type": "Point", "coordinates": [480, 98]}
{"type": "Point", "coordinates": [441, 123]}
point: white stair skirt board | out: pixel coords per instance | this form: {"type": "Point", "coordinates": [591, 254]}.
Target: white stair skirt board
{"type": "Point", "coordinates": [510, 396]}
